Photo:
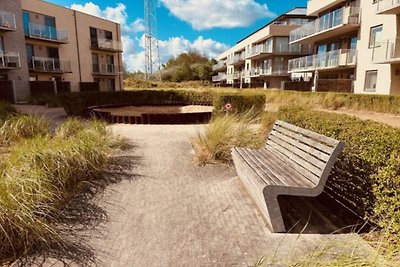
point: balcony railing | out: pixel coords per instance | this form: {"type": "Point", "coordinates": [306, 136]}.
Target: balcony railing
{"type": "Point", "coordinates": [386, 51]}
{"type": "Point", "coordinates": [238, 58]}
{"type": "Point", "coordinates": [280, 49]}
{"type": "Point", "coordinates": [46, 33]}
{"type": "Point", "coordinates": [7, 21]}
{"type": "Point", "coordinates": [106, 69]}
{"type": "Point", "coordinates": [220, 77]}
{"type": "Point", "coordinates": [43, 64]}
{"type": "Point", "coordinates": [9, 60]}
{"type": "Point", "coordinates": [348, 15]}
{"type": "Point", "coordinates": [387, 5]}
{"type": "Point", "coordinates": [220, 65]}
{"type": "Point", "coordinates": [332, 59]}
{"type": "Point", "coordinates": [106, 44]}
{"type": "Point", "coordinates": [268, 71]}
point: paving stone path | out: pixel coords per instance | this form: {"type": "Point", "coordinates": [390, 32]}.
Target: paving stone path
{"type": "Point", "coordinates": [178, 214]}
{"type": "Point", "coordinates": [174, 213]}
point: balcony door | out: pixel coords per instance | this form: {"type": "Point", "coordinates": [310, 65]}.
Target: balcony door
{"type": "Point", "coordinates": [25, 17]}
{"type": "Point", "coordinates": [30, 55]}
{"type": "Point", "coordinates": [94, 42]}
{"type": "Point", "coordinates": [50, 23]}
{"type": "Point", "coordinates": [110, 64]}
{"type": "Point", "coordinates": [95, 63]}
{"type": "Point", "coordinates": [54, 62]}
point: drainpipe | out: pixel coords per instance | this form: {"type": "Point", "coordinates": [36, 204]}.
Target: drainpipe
{"type": "Point", "coordinates": [77, 46]}
{"type": "Point", "coordinates": [120, 77]}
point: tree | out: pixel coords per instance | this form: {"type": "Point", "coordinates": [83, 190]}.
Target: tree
{"type": "Point", "coordinates": [188, 66]}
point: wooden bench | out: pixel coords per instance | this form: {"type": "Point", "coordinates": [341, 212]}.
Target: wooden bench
{"type": "Point", "coordinates": [295, 161]}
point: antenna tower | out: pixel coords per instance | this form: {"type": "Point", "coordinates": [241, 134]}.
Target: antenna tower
{"type": "Point", "coordinates": [152, 50]}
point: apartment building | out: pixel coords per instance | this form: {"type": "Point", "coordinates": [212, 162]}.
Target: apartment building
{"type": "Point", "coordinates": [261, 59]}
{"type": "Point", "coordinates": [40, 41]}
{"type": "Point", "coordinates": [356, 45]}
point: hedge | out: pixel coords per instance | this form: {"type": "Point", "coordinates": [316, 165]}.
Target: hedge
{"type": "Point", "coordinates": [366, 177]}
{"type": "Point", "coordinates": [376, 103]}
{"type": "Point", "coordinates": [239, 103]}
{"type": "Point", "coordinates": [78, 103]}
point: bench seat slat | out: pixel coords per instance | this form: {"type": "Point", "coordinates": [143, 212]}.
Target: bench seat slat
{"type": "Point", "coordinates": [294, 158]}
{"type": "Point", "coordinates": [311, 178]}
{"type": "Point", "coordinates": [296, 151]}
{"type": "Point", "coordinates": [272, 170]}
{"type": "Point", "coordinates": [305, 147]}
{"type": "Point", "coordinates": [267, 175]}
{"type": "Point", "coordinates": [322, 147]}
{"type": "Point", "coordinates": [319, 137]}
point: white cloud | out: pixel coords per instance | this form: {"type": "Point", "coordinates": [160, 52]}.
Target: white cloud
{"type": "Point", "coordinates": [207, 14]}
{"type": "Point", "coordinates": [133, 43]}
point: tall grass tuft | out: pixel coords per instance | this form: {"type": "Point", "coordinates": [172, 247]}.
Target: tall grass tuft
{"type": "Point", "coordinates": [224, 132]}
{"type": "Point", "coordinates": [39, 177]}
{"type": "Point", "coordinates": [6, 110]}
{"type": "Point", "coordinates": [19, 127]}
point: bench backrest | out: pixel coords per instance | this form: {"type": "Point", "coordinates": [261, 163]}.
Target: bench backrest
{"type": "Point", "coordinates": [311, 154]}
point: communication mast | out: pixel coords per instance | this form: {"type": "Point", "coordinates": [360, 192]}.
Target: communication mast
{"type": "Point", "coordinates": [152, 50]}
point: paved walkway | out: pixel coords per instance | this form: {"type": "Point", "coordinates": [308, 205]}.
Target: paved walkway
{"type": "Point", "coordinates": [174, 213]}
{"type": "Point", "coordinates": [178, 214]}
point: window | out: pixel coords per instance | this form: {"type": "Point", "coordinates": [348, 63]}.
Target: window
{"type": "Point", "coordinates": [375, 36]}
{"type": "Point", "coordinates": [371, 78]}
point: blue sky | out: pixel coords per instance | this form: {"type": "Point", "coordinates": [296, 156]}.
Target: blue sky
{"type": "Point", "coordinates": [210, 26]}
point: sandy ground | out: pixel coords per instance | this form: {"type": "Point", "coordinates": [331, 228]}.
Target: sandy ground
{"type": "Point", "coordinates": [137, 111]}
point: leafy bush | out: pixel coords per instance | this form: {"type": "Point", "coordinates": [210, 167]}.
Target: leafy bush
{"type": "Point", "coordinates": [39, 177]}
{"type": "Point", "coordinates": [77, 103]}
{"type": "Point", "coordinates": [239, 103]}
{"type": "Point", "coordinates": [366, 175]}
{"type": "Point", "coordinates": [376, 103]}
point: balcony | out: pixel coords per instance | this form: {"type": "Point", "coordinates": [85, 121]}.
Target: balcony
{"type": "Point", "coordinates": [262, 51]}
{"type": "Point", "coordinates": [236, 75]}
{"type": "Point", "coordinates": [9, 60]}
{"type": "Point", "coordinates": [106, 44]}
{"type": "Point", "coordinates": [336, 23]}
{"type": "Point", "coordinates": [221, 65]}
{"type": "Point", "coordinates": [238, 59]}
{"type": "Point", "coordinates": [386, 52]}
{"type": "Point", "coordinates": [106, 69]}
{"type": "Point", "coordinates": [269, 71]}
{"type": "Point", "coordinates": [7, 21]}
{"type": "Point", "coordinates": [388, 7]}
{"type": "Point", "coordinates": [314, 7]}
{"type": "Point", "coordinates": [47, 33]}
{"type": "Point", "coordinates": [219, 78]}
{"type": "Point", "coordinates": [51, 65]}
{"type": "Point", "coordinates": [325, 61]}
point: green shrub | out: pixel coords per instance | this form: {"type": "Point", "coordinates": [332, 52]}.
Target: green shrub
{"type": "Point", "coordinates": [21, 127]}
{"type": "Point", "coordinates": [239, 103]}
{"type": "Point", "coordinates": [77, 103]}
{"type": "Point", "coordinates": [366, 173]}
{"type": "Point", "coordinates": [39, 177]}
{"type": "Point", "coordinates": [376, 103]}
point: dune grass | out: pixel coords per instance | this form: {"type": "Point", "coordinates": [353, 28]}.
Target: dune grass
{"type": "Point", "coordinates": [41, 172]}
{"type": "Point", "coordinates": [213, 144]}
